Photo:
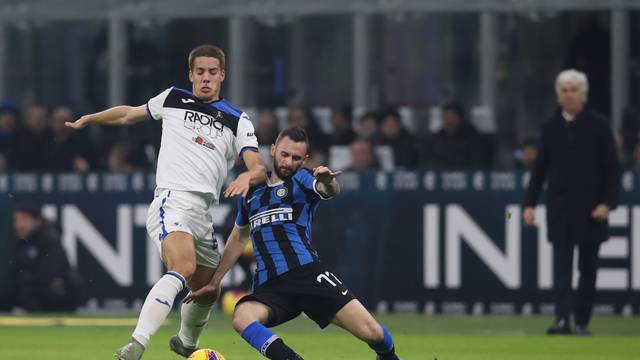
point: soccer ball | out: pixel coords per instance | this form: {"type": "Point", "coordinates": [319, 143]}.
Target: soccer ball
{"type": "Point", "coordinates": [206, 354]}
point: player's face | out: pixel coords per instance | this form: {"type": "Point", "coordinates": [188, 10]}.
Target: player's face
{"type": "Point", "coordinates": [288, 157]}
{"type": "Point", "coordinates": [571, 98]}
{"type": "Point", "coordinates": [206, 78]}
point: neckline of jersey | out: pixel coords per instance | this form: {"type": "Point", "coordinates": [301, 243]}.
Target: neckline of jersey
{"type": "Point", "coordinates": [220, 97]}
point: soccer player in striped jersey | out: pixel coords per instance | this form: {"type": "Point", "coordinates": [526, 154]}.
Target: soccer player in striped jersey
{"type": "Point", "coordinates": [290, 278]}
{"type": "Point", "coordinates": [202, 135]}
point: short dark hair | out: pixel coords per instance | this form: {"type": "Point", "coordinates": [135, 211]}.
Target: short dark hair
{"type": "Point", "coordinates": [207, 51]}
{"type": "Point", "coordinates": [391, 113]}
{"type": "Point", "coordinates": [454, 107]}
{"type": "Point", "coordinates": [28, 207]}
{"type": "Point", "coordinates": [295, 133]}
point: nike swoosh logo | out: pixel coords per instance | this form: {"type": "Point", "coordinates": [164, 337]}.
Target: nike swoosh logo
{"type": "Point", "coordinates": [186, 101]}
{"type": "Point", "coordinates": [163, 302]}
{"type": "Point", "coordinates": [345, 292]}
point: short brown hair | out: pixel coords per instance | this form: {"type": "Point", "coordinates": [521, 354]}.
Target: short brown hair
{"type": "Point", "coordinates": [206, 51]}
{"type": "Point", "coordinates": [295, 133]}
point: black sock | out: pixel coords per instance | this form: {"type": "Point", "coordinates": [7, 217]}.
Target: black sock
{"type": "Point", "coordinates": [388, 354]}
{"type": "Point", "coordinates": [277, 350]}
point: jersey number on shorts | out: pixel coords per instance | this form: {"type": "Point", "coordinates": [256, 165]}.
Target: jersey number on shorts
{"type": "Point", "coordinates": [327, 277]}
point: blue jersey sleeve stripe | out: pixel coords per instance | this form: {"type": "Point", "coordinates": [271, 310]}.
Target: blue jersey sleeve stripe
{"type": "Point", "coordinates": [222, 105]}
{"type": "Point", "coordinates": [248, 148]}
{"type": "Point", "coordinates": [149, 116]}
{"type": "Point", "coordinates": [242, 220]}
{"type": "Point", "coordinates": [183, 90]}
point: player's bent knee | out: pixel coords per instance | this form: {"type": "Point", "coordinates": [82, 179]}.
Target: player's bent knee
{"type": "Point", "coordinates": [185, 268]}
{"type": "Point", "coordinates": [242, 317]}
{"type": "Point", "coordinates": [240, 322]}
{"type": "Point", "coordinates": [246, 313]}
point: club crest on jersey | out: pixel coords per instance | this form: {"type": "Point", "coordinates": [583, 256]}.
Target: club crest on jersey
{"type": "Point", "coordinates": [271, 216]}
{"type": "Point", "coordinates": [282, 192]}
{"type": "Point", "coordinates": [202, 141]}
{"type": "Point", "coordinates": [203, 123]}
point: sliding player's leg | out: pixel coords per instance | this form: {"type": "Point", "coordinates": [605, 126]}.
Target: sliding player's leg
{"type": "Point", "coordinates": [250, 320]}
{"type": "Point", "coordinates": [355, 318]}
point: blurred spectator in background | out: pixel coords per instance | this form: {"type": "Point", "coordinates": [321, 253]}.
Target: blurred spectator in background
{"type": "Point", "coordinates": [118, 159]}
{"type": "Point", "coordinates": [343, 133]}
{"type": "Point", "coordinates": [300, 115]}
{"type": "Point", "coordinates": [67, 149]}
{"type": "Point", "coordinates": [369, 127]}
{"type": "Point", "coordinates": [577, 158]}
{"type": "Point", "coordinates": [267, 127]}
{"type": "Point", "coordinates": [629, 132]}
{"type": "Point", "coordinates": [43, 279]}
{"type": "Point", "coordinates": [525, 156]}
{"type": "Point", "coordinates": [403, 144]}
{"type": "Point", "coordinates": [589, 51]}
{"type": "Point", "coordinates": [636, 158]}
{"type": "Point", "coordinates": [456, 146]}
{"type": "Point", "coordinates": [9, 119]}
{"type": "Point", "coordinates": [33, 141]}
{"type": "Point", "coordinates": [362, 156]}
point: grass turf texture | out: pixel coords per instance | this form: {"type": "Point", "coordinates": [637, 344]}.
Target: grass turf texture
{"type": "Point", "coordinates": [417, 337]}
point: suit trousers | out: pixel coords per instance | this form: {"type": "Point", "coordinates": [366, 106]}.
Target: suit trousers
{"type": "Point", "coordinates": [580, 303]}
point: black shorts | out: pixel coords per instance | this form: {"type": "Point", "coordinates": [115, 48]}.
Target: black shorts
{"type": "Point", "coordinates": [309, 288]}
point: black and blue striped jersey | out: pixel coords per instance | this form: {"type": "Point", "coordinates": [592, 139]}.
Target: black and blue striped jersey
{"type": "Point", "coordinates": [280, 216]}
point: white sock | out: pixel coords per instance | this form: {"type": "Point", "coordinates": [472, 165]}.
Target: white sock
{"type": "Point", "coordinates": [194, 319]}
{"type": "Point", "coordinates": [157, 306]}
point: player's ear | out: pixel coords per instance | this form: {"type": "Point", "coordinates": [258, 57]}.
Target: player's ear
{"type": "Point", "coordinates": [222, 75]}
{"type": "Point", "coordinates": [304, 161]}
{"type": "Point", "coordinates": [191, 76]}
{"type": "Point", "coordinates": [273, 150]}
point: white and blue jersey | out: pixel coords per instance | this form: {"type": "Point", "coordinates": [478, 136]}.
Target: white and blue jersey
{"type": "Point", "coordinates": [280, 216]}
{"type": "Point", "coordinates": [200, 141]}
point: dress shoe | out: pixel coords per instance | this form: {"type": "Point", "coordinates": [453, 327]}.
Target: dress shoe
{"type": "Point", "coordinates": [559, 327]}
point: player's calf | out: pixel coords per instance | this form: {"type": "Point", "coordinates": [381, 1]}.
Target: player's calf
{"type": "Point", "coordinates": [370, 332]}
{"type": "Point", "coordinates": [384, 348]}
{"type": "Point", "coordinates": [247, 321]}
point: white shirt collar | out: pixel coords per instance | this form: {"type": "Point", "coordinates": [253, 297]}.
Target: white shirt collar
{"type": "Point", "coordinates": [568, 117]}
{"type": "Point", "coordinates": [270, 184]}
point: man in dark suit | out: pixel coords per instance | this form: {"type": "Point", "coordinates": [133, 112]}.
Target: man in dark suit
{"type": "Point", "coordinates": [578, 159]}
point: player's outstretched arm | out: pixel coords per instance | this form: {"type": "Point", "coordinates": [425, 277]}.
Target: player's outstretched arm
{"type": "Point", "coordinates": [236, 244]}
{"type": "Point", "coordinates": [256, 173]}
{"type": "Point", "coordinates": [326, 183]}
{"type": "Point", "coordinates": [117, 115]}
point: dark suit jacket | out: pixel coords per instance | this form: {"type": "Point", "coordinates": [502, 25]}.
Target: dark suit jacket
{"type": "Point", "coordinates": [578, 159]}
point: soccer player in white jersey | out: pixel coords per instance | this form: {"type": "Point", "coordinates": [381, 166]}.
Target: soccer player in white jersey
{"type": "Point", "coordinates": [202, 134]}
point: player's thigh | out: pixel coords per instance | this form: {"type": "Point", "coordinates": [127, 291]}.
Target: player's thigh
{"type": "Point", "coordinates": [357, 320]}
{"type": "Point", "coordinates": [247, 312]}
{"type": "Point", "coordinates": [178, 253]}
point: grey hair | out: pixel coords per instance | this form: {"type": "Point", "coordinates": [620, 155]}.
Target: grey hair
{"type": "Point", "coordinates": [573, 76]}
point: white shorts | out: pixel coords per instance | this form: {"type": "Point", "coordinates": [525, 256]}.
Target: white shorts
{"type": "Point", "coordinates": [187, 211]}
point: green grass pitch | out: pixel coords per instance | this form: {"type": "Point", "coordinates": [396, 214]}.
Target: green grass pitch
{"type": "Point", "coordinates": [417, 337]}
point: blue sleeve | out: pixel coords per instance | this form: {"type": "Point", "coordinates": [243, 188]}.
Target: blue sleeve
{"type": "Point", "coordinates": [242, 219]}
{"type": "Point", "coordinates": [306, 180]}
